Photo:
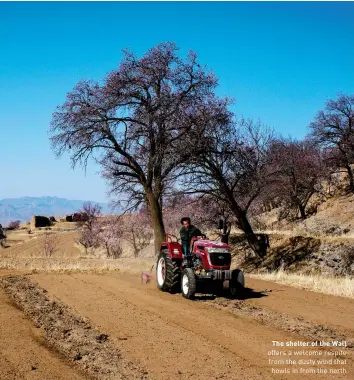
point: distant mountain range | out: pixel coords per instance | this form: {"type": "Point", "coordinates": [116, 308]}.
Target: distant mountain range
{"type": "Point", "coordinates": [24, 208]}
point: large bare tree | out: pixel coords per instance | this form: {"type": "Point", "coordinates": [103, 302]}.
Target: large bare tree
{"type": "Point", "coordinates": [141, 123]}
{"type": "Point", "coordinates": [333, 129]}
{"type": "Point", "coordinates": [299, 169]}
{"type": "Point", "coordinates": [234, 169]}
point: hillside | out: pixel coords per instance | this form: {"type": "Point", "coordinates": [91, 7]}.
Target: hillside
{"type": "Point", "coordinates": [322, 244]}
{"type": "Point", "coordinates": [24, 208]}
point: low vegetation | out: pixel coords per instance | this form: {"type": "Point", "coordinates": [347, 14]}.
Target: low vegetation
{"type": "Point", "coordinates": [338, 286]}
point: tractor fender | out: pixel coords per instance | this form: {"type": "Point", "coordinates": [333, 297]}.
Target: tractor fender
{"type": "Point", "coordinates": [174, 250]}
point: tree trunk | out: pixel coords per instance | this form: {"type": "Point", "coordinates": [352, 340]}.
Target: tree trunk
{"type": "Point", "coordinates": [107, 249]}
{"type": "Point", "coordinates": [226, 232]}
{"type": "Point", "coordinates": [156, 221]}
{"type": "Point", "coordinates": [350, 177]}
{"type": "Point", "coordinates": [302, 211]}
{"type": "Point", "coordinates": [259, 246]}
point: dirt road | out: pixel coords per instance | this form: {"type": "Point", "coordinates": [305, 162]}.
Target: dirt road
{"type": "Point", "coordinates": [173, 338]}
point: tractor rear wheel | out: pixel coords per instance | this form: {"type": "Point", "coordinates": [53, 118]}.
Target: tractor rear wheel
{"type": "Point", "coordinates": [237, 284]}
{"type": "Point", "coordinates": [168, 273]}
{"type": "Point", "coordinates": [188, 283]}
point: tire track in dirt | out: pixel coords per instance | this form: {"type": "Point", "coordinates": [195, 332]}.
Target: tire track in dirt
{"type": "Point", "coordinates": [171, 336]}
{"type": "Point", "coordinates": [69, 334]}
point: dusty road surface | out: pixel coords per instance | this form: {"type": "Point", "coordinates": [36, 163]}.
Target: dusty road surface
{"type": "Point", "coordinates": [211, 338]}
{"type": "Point", "coordinates": [23, 354]}
{"type": "Point", "coordinates": [319, 308]}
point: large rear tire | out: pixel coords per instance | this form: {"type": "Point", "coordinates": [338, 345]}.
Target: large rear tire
{"type": "Point", "coordinates": [168, 273]}
{"type": "Point", "coordinates": [237, 284]}
{"type": "Point", "coordinates": [188, 283]}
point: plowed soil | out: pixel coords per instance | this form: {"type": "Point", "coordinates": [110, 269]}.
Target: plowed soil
{"type": "Point", "coordinates": [23, 354]}
{"type": "Point", "coordinates": [209, 338]}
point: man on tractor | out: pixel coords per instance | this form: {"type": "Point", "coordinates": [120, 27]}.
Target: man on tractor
{"type": "Point", "coordinates": [187, 232]}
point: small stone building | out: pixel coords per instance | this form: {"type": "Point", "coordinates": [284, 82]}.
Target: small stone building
{"type": "Point", "coordinates": [40, 221]}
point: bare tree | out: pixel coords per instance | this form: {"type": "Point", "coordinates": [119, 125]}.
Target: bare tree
{"type": "Point", "coordinates": [50, 244]}
{"type": "Point", "coordinates": [299, 169]}
{"type": "Point", "coordinates": [333, 129]}
{"type": "Point", "coordinates": [234, 169]}
{"type": "Point", "coordinates": [14, 225]}
{"type": "Point", "coordinates": [141, 124]}
{"type": "Point", "coordinates": [89, 227]}
{"type": "Point", "coordinates": [137, 231]}
{"type": "Point", "coordinates": [110, 236]}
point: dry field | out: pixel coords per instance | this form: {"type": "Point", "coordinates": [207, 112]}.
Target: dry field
{"type": "Point", "coordinates": [111, 326]}
{"type": "Point", "coordinates": [78, 315]}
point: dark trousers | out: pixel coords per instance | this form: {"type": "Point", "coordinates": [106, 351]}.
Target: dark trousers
{"type": "Point", "coordinates": [186, 248]}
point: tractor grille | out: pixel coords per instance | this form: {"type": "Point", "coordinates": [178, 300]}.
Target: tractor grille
{"type": "Point", "coordinates": [220, 258]}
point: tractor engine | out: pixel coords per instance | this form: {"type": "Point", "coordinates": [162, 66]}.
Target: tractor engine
{"type": "Point", "coordinates": [212, 254]}
{"type": "Point", "coordinates": [211, 260]}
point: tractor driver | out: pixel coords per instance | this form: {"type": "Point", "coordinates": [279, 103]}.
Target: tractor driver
{"type": "Point", "coordinates": [187, 232]}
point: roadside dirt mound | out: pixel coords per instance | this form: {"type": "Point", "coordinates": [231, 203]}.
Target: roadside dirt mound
{"type": "Point", "coordinates": [23, 352]}
{"type": "Point", "coordinates": [71, 335]}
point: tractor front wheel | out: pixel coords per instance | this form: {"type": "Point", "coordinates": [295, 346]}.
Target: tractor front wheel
{"type": "Point", "coordinates": [188, 283]}
{"type": "Point", "coordinates": [167, 273]}
{"type": "Point", "coordinates": [237, 284]}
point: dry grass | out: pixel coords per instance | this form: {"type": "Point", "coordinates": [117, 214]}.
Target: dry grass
{"type": "Point", "coordinates": [337, 286]}
{"type": "Point", "coordinates": [27, 252]}
{"type": "Point", "coordinates": [52, 264]}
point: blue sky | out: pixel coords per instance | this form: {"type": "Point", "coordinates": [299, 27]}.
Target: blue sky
{"type": "Point", "coordinates": [280, 61]}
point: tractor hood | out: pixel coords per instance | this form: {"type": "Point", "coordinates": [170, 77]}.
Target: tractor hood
{"type": "Point", "coordinates": [212, 244]}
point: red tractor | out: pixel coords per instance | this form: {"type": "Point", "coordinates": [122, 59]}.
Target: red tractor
{"type": "Point", "coordinates": [205, 271]}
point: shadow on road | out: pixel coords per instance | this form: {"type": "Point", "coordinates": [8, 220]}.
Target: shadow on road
{"type": "Point", "coordinates": [251, 293]}
{"type": "Point", "coordinates": [248, 293]}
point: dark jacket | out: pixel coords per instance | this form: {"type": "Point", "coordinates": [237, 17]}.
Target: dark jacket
{"type": "Point", "coordinates": [188, 233]}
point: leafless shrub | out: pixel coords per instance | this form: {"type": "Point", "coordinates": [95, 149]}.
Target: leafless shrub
{"type": "Point", "coordinates": [14, 225]}
{"type": "Point", "coordinates": [50, 244]}
{"type": "Point", "coordinates": [89, 227]}
{"type": "Point", "coordinates": [137, 231]}
{"type": "Point", "coordinates": [110, 236]}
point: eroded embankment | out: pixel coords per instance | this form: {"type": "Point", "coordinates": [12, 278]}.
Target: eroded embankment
{"type": "Point", "coordinates": [71, 335]}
